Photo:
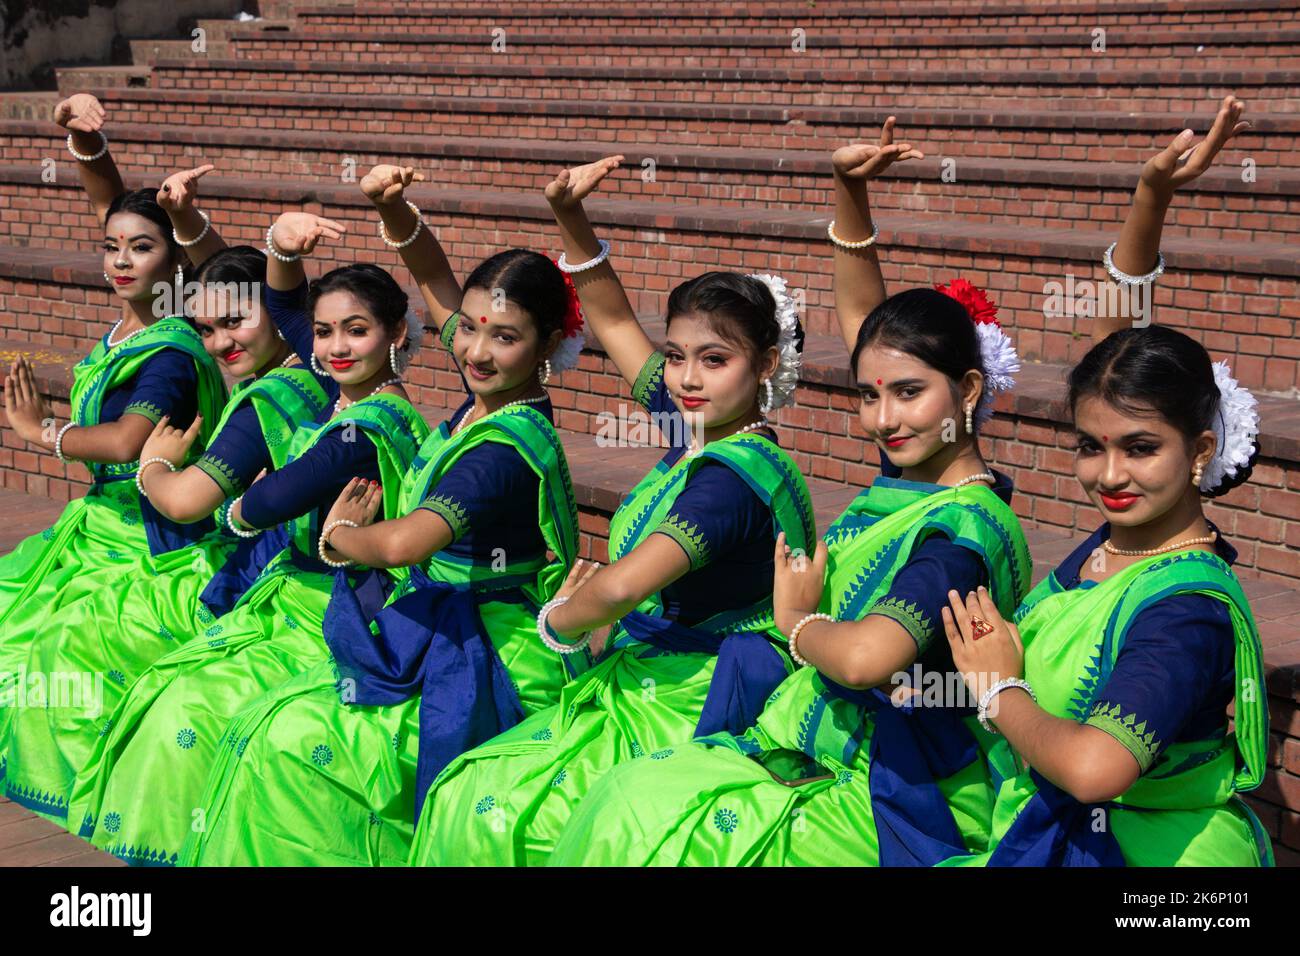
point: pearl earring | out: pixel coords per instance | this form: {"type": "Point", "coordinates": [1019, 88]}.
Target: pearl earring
{"type": "Point", "coordinates": [315, 366]}
{"type": "Point", "coordinates": [107, 278]}
{"type": "Point", "coordinates": [392, 359]}
{"type": "Point", "coordinates": [766, 407]}
{"type": "Point", "coordinates": [970, 418]}
{"type": "Point", "coordinates": [1198, 473]}
{"type": "Point", "coordinates": [544, 372]}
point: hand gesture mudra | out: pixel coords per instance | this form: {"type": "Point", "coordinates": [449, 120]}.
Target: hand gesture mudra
{"type": "Point", "coordinates": [867, 161]}
{"type": "Point", "coordinates": [171, 443]}
{"type": "Point", "coordinates": [385, 185]}
{"type": "Point", "coordinates": [179, 189]}
{"type": "Point", "coordinates": [25, 407]}
{"type": "Point", "coordinates": [359, 501]}
{"type": "Point", "coordinates": [797, 584]}
{"type": "Point", "coordinates": [985, 647]}
{"type": "Point", "coordinates": [573, 185]}
{"type": "Point", "coordinates": [1179, 163]}
{"type": "Point", "coordinates": [578, 575]}
{"type": "Point", "coordinates": [80, 112]}
{"type": "Point", "coordinates": [297, 233]}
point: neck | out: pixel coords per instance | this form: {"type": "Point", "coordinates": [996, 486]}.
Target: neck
{"type": "Point", "coordinates": [714, 432]}
{"type": "Point", "coordinates": [136, 314]}
{"type": "Point", "coordinates": [1184, 520]}
{"type": "Point", "coordinates": [493, 401]}
{"type": "Point", "coordinates": [282, 352]}
{"type": "Point", "coordinates": [948, 465]}
{"type": "Point", "coordinates": [355, 393]}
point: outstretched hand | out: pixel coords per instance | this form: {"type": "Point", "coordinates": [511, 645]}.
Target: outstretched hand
{"type": "Point", "coordinates": [867, 161]}
{"type": "Point", "coordinates": [385, 184]}
{"type": "Point", "coordinates": [1180, 162]}
{"type": "Point", "coordinates": [573, 185]}
{"type": "Point", "coordinates": [297, 233]}
{"type": "Point", "coordinates": [25, 407]}
{"type": "Point", "coordinates": [179, 189]}
{"type": "Point", "coordinates": [80, 112]}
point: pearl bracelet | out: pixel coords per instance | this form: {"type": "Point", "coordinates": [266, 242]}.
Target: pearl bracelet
{"type": "Point", "coordinates": [139, 472]}
{"type": "Point", "coordinates": [230, 521]}
{"type": "Point", "coordinates": [859, 244]}
{"type": "Point", "coordinates": [207, 225]}
{"type": "Point", "coordinates": [324, 540]}
{"type": "Point", "coordinates": [792, 644]}
{"type": "Point", "coordinates": [270, 247]}
{"type": "Point", "coordinates": [544, 630]}
{"type": "Point", "coordinates": [563, 261]}
{"type": "Point", "coordinates": [993, 691]}
{"type": "Point", "coordinates": [419, 224]}
{"type": "Point", "coordinates": [1123, 278]}
{"type": "Point", "coordinates": [58, 441]}
{"type": "Point", "coordinates": [82, 158]}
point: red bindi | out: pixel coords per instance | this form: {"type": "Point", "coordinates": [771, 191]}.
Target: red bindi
{"type": "Point", "coordinates": [880, 381]}
{"type": "Point", "coordinates": [1105, 438]}
{"type": "Point", "coordinates": [483, 319]}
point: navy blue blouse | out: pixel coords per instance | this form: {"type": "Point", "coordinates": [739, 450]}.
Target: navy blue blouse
{"type": "Point", "coordinates": [237, 453]}
{"type": "Point", "coordinates": [1175, 673]}
{"type": "Point", "coordinates": [288, 310]}
{"type": "Point", "coordinates": [165, 384]}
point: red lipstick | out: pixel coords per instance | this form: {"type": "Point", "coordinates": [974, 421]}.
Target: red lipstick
{"type": "Point", "coordinates": [1118, 501]}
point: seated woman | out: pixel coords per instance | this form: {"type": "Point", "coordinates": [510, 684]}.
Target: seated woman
{"type": "Point", "coordinates": [329, 765]}
{"type": "Point", "coordinates": [137, 792]}
{"type": "Point", "coordinates": [691, 547]}
{"type": "Point", "coordinates": [834, 771]}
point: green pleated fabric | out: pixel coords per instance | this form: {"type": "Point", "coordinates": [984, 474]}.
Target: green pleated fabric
{"type": "Point", "coordinates": [109, 636]}
{"type": "Point", "coordinates": [794, 790]}
{"type": "Point", "coordinates": [138, 795]}
{"type": "Point", "coordinates": [314, 780]}
{"type": "Point", "coordinates": [1185, 809]}
{"type": "Point", "coordinates": [506, 802]}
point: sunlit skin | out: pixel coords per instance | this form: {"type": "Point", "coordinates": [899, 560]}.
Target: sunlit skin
{"type": "Point", "coordinates": [136, 257]}
{"type": "Point", "coordinates": [237, 334]}
{"type": "Point", "coordinates": [713, 381]}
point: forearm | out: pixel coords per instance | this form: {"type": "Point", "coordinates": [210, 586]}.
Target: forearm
{"type": "Point", "coordinates": [602, 600]}
{"type": "Point", "coordinates": [1136, 250]}
{"type": "Point", "coordinates": [857, 654]}
{"type": "Point", "coordinates": [100, 177]}
{"type": "Point", "coordinates": [188, 224]}
{"type": "Point", "coordinates": [425, 259]}
{"type": "Point", "coordinates": [859, 285]}
{"type": "Point", "coordinates": [399, 543]}
{"type": "Point", "coordinates": [184, 496]}
{"type": "Point", "coordinates": [113, 443]}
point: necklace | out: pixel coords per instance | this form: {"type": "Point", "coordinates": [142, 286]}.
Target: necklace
{"type": "Point", "coordinates": [289, 358]}
{"type": "Point", "coordinates": [113, 331]}
{"type": "Point", "coordinates": [752, 426]}
{"type": "Point", "coordinates": [375, 391]}
{"type": "Point", "coordinates": [982, 476]}
{"type": "Point", "coordinates": [464, 419]}
{"type": "Point", "coordinates": [1149, 552]}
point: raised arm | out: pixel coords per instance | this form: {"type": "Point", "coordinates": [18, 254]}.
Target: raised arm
{"type": "Point", "coordinates": [1138, 249]}
{"type": "Point", "coordinates": [83, 117]}
{"type": "Point", "coordinates": [385, 186]}
{"type": "Point", "coordinates": [859, 286]}
{"type": "Point", "coordinates": [604, 302]}
{"type": "Point", "coordinates": [196, 233]}
{"type": "Point", "coordinates": [294, 235]}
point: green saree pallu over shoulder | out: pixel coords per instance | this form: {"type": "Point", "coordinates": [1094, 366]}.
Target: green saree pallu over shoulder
{"type": "Point", "coordinates": [138, 794]}
{"type": "Point", "coordinates": [826, 776]}
{"type": "Point", "coordinates": [324, 771]}
{"type": "Point", "coordinates": [113, 634]}
{"type": "Point", "coordinates": [98, 535]}
{"type": "Point", "coordinates": [1185, 809]}
{"type": "Point", "coordinates": [506, 802]}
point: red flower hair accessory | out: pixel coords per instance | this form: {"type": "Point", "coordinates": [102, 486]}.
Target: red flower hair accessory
{"type": "Point", "coordinates": [998, 356]}
{"type": "Point", "coordinates": [973, 299]}
{"type": "Point", "coordinates": [570, 347]}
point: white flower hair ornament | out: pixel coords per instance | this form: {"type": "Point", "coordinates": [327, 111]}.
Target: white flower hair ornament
{"type": "Point", "coordinates": [998, 357]}
{"type": "Point", "coordinates": [414, 339]}
{"type": "Point", "coordinates": [788, 341]}
{"type": "Point", "coordinates": [1235, 424]}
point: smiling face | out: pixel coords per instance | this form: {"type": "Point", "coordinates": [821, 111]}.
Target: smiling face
{"type": "Point", "coordinates": [909, 409]}
{"type": "Point", "coordinates": [1135, 469]}
{"type": "Point", "coordinates": [136, 256]}
{"type": "Point", "coordinates": [351, 344]}
{"type": "Point", "coordinates": [233, 329]}
{"type": "Point", "coordinates": [712, 380]}
{"type": "Point", "coordinates": [498, 351]}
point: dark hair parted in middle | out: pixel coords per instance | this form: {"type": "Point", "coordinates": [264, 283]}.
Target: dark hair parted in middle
{"type": "Point", "coordinates": [927, 325]}
{"type": "Point", "coordinates": [144, 203]}
{"type": "Point", "coordinates": [378, 290]}
{"type": "Point", "coordinates": [529, 280]}
{"type": "Point", "coordinates": [740, 308]}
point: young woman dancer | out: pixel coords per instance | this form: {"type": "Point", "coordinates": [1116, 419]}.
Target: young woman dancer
{"type": "Point", "coordinates": [453, 659]}
{"type": "Point", "coordinates": [138, 793]}
{"type": "Point", "coordinates": [834, 771]}
{"type": "Point", "coordinates": [691, 546]}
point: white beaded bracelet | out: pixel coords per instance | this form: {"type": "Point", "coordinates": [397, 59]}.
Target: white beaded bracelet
{"type": "Point", "coordinates": [563, 261]}
{"type": "Point", "coordinates": [419, 224]}
{"type": "Point", "coordinates": [324, 540]}
{"type": "Point", "coordinates": [139, 472]}
{"type": "Point", "coordinates": [81, 157]}
{"type": "Point", "coordinates": [58, 441]}
{"type": "Point", "coordinates": [270, 247]}
{"type": "Point", "coordinates": [845, 244]}
{"type": "Point", "coordinates": [792, 644]}
{"type": "Point", "coordinates": [544, 630]}
{"type": "Point", "coordinates": [207, 224]}
{"type": "Point", "coordinates": [230, 521]}
{"type": "Point", "coordinates": [996, 689]}
{"type": "Point", "coordinates": [1123, 278]}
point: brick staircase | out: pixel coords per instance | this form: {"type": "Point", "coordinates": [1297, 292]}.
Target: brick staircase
{"type": "Point", "coordinates": [727, 114]}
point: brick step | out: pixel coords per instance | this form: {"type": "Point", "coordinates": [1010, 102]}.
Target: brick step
{"type": "Point", "coordinates": [1273, 140]}
{"type": "Point", "coordinates": [1032, 193]}
{"type": "Point", "coordinates": [1269, 91]}
{"type": "Point", "coordinates": [1239, 300]}
{"type": "Point", "coordinates": [1075, 49]}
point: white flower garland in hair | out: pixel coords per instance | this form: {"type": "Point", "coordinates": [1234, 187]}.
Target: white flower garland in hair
{"type": "Point", "coordinates": [1236, 424]}
{"type": "Point", "coordinates": [567, 352]}
{"type": "Point", "coordinates": [1000, 361]}
{"type": "Point", "coordinates": [414, 339]}
{"type": "Point", "coordinates": [786, 377]}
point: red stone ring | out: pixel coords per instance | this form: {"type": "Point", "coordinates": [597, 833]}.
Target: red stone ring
{"type": "Point", "coordinates": [980, 628]}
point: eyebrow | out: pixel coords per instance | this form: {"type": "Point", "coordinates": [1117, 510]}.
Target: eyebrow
{"type": "Point", "coordinates": [355, 317]}
{"type": "Point", "coordinates": [1129, 437]}
{"type": "Point", "coordinates": [701, 348]}
{"type": "Point", "coordinates": [898, 383]}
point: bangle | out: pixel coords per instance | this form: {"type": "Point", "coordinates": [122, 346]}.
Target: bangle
{"type": "Point", "coordinates": [324, 540]}
{"type": "Point", "coordinates": [81, 157]}
{"type": "Point", "coordinates": [845, 244]}
{"type": "Point", "coordinates": [792, 644]}
{"type": "Point", "coordinates": [996, 689]}
{"type": "Point", "coordinates": [548, 636]}
{"type": "Point", "coordinates": [566, 267]}
{"type": "Point", "coordinates": [207, 224]}
{"type": "Point", "coordinates": [1123, 278]}
{"type": "Point", "coordinates": [58, 441]}
{"type": "Point", "coordinates": [419, 224]}
{"type": "Point", "coordinates": [270, 247]}
{"type": "Point", "coordinates": [139, 471]}
{"type": "Point", "coordinates": [230, 521]}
